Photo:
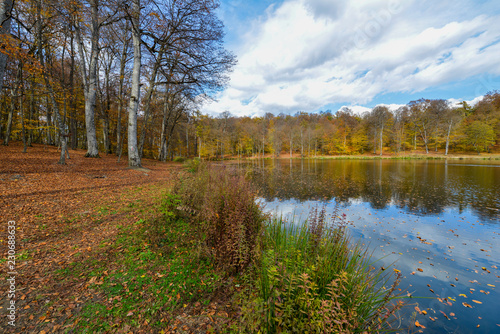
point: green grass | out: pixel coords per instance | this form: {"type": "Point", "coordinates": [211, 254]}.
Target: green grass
{"type": "Point", "coordinates": [314, 279]}
{"type": "Point", "coordinates": [147, 279]}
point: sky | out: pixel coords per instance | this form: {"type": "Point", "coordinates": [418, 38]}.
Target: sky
{"type": "Point", "coordinates": [317, 55]}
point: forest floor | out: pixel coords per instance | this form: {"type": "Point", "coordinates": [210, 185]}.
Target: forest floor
{"type": "Point", "coordinates": [84, 262]}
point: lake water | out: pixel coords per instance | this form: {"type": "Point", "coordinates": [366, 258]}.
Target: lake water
{"type": "Point", "coordinates": [439, 221]}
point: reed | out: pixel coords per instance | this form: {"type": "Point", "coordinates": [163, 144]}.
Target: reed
{"type": "Point", "coordinates": [312, 278]}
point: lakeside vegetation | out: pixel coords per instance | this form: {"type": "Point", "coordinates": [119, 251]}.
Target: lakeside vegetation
{"type": "Point", "coordinates": [294, 277]}
{"type": "Point", "coordinates": [206, 257]}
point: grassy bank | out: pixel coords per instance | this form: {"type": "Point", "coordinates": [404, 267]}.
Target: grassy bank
{"type": "Point", "coordinates": [292, 277]}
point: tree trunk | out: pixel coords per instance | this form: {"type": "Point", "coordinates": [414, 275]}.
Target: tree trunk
{"type": "Point", "coordinates": [123, 60]}
{"type": "Point", "coordinates": [105, 134]}
{"type": "Point", "coordinates": [50, 90]}
{"type": "Point", "coordinates": [5, 23]}
{"type": "Point", "coordinates": [73, 128]}
{"type": "Point", "coordinates": [148, 98]}
{"type": "Point", "coordinates": [381, 140]}
{"type": "Point", "coordinates": [90, 78]}
{"type": "Point", "coordinates": [32, 111]}
{"type": "Point", "coordinates": [134, 159]}
{"type": "Point", "coordinates": [9, 124]}
{"type": "Point", "coordinates": [187, 141]}
{"type": "Point", "coordinates": [448, 139]}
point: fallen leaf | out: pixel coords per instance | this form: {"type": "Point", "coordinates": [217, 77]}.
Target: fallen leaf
{"type": "Point", "coordinates": [417, 324]}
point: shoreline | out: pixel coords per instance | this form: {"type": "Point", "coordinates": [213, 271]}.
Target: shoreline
{"type": "Point", "coordinates": [412, 156]}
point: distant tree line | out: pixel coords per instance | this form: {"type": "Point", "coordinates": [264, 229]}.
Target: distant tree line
{"type": "Point", "coordinates": [423, 125]}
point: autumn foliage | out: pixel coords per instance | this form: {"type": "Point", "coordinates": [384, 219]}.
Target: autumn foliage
{"type": "Point", "coordinates": [222, 205]}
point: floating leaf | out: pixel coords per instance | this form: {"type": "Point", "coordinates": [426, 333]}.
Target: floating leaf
{"type": "Point", "coordinates": [417, 324]}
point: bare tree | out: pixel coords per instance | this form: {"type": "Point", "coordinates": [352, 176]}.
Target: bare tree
{"type": "Point", "coordinates": [134, 159]}
{"type": "Point", "coordinates": [380, 116]}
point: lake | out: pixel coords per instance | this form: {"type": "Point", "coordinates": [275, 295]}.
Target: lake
{"type": "Point", "coordinates": [438, 221]}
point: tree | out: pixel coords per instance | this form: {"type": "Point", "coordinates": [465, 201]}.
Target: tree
{"type": "Point", "coordinates": [89, 71]}
{"type": "Point", "coordinates": [380, 116]}
{"type": "Point", "coordinates": [480, 136]}
{"type": "Point", "coordinates": [452, 117]}
{"type": "Point", "coordinates": [5, 23]}
{"type": "Point", "coordinates": [422, 120]}
{"type": "Point", "coordinates": [134, 159]}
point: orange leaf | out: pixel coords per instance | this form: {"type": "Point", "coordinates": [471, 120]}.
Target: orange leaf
{"type": "Point", "coordinates": [417, 324]}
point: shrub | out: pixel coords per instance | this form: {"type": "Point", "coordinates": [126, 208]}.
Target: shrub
{"type": "Point", "coordinates": [192, 164]}
{"type": "Point", "coordinates": [313, 280]}
{"type": "Point", "coordinates": [179, 159]}
{"type": "Point", "coordinates": [223, 203]}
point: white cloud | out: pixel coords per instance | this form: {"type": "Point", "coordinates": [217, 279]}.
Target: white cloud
{"type": "Point", "coordinates": [457, 102]}
{"type": "Point", "coordinates": [305, 54]}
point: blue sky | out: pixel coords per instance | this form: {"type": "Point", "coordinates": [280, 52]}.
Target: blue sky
{"type": "Point", "coordinates": [311, 55]}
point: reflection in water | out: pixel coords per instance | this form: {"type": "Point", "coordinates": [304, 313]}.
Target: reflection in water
{"type": "Point", "coordinates": [424, 187]}
{"type": "Point", "coordinates": [438, 221]}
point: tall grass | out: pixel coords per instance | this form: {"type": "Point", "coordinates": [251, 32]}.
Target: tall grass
{"type": "Point", "coordinates": [313, 279]}
{"type": "Point", "coordinates": [223, 208]}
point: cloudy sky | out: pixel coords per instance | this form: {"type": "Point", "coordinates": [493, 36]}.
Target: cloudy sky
{"type": "Point", "coordinates": [311, 55]}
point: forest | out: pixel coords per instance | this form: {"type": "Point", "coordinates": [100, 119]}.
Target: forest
{"type": "Point", "coordinates": [420, 126]}
{"type": "Point", "coordinates": [113, 78]}
{"type": "Point", "coordinates": [107, 76]}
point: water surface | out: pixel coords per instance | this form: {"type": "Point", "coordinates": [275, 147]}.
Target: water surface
{"type": "Point", "coordinates": [438, 220]}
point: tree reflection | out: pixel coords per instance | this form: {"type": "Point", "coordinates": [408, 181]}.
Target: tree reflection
{"type": "Point", "coordinates": [420, 187]}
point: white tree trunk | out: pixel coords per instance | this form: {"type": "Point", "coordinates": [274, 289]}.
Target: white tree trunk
{"type": "Point", "coordinates": [89, 77]}
{"type": "Point", "coordinates": [448, 138]}
{"type": "Point", "coordinates": [134, 159]}
{"type": "Point", "coordinates": [381, 140]}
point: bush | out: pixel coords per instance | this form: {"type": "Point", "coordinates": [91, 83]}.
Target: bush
{"type": "Point", "coordinates": [192, 164]}
{"type": "Point", "coordinates": [223, 203]}
{"type": "Point", "coordinates": [179, 159]}
{"type": "Point", "coordinates": [312, 280]}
